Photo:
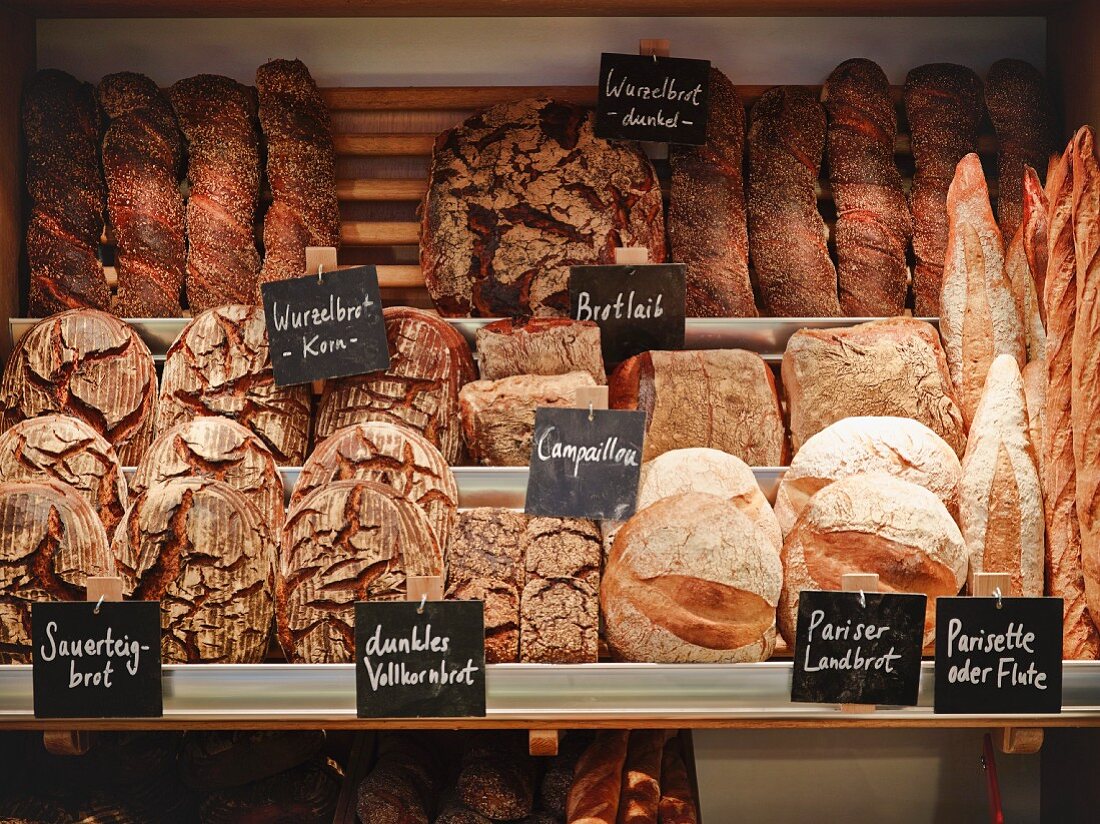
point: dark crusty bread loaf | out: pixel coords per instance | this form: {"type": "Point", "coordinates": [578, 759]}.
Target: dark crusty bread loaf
{"type": "Point", "coordinates": [557, 778]}
{"type": "Point", "coordinates": [208, 555]}
{"type": "Point", "coordinates": [429, 362]}
{"type": "Point", "coordinates": [50, 541]}
{"type": "Point", "coordinates": [217, 759]}
{"type": "Point", "coordinates": [594, 797]}
{"type": "Point", "coordinates": [453, 810]}
{"type": "Point", "coordinates": [641, 792]}
{"type": "Point", "coordinates": [786, 232]}
{"type": "Point", "coordinates": [1023, 114]}
{"type": "Point", "coordinates": [677, 804]}
{"type": "Point", "coordinates": [301, 168]}
{"type": "Point", "coordinates": [519, 193]}
{"type": "Point", "coordinates": [220, 365]}
{"type": "Point", "coordinates": [404, 783]}
{"type": "Point", "coordinates": [559, 605]}
{"type": "Point", "coordinates": [392, 455]}
{"type": "Point", "coordinates": [306, 794]}
{"type": "Point", "coordinates": [219, 449]}
{"type": "Point", "coordinates": [707, 226]}
{"type": "Point", "coordinates": [218, 118]}
{"type": "Point", "coordinates": [873, 225]}
{"type": "Point", "coordinates": [539, 346]}
{"type": "Point", "coordinates": [142, 151]}
{"type": "Point", "coordinates": [67, 194]}
{"type": "Point", "coordinates": [484, 561]}
{"type": "Point", "coordinates": [65, 449]}
{"type": "Point", "coordinates": [498, 775]}
{"type": "Point", "coordinates": [348, 541]}
{"type": "Point", "coordinates": [943, 103]}
{"type": "Point", "coordinates": [90, 365]}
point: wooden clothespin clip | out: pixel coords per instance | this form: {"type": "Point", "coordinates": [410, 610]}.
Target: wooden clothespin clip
{"type": "Point", "coordinates": [320, 259]}
{"type": "Point", "coordinates": [861, 582]}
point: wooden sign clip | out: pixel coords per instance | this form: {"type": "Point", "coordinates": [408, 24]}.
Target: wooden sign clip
{"type": "Point", "coordinates": [631, 255]}
{"type": "Point", "coordinates": [860, 582]}
{"type": "Point", "coordinates": [424, 588]}
{"type": "Point", "coordinates": [543, 742]}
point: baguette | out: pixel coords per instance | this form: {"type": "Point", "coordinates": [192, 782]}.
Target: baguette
{"type": "Point", "coordinates": [1025, 265]}
{"type": "Point", "coordinates": [677, 804]}
{"type": "Point", "coordinates": [1035, 396]}
{"type": "Point", "coordinates": [597, 781]}
{"type": "Point", "coordinates": [641, 791]}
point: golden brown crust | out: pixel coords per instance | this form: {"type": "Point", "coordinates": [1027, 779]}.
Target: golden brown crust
{"type": "Point", "coordinates": [678, 804]}
{"type": "Point", "coordinates": [594, 796]}
{"type": "Point", "coordinates": [641, 792]}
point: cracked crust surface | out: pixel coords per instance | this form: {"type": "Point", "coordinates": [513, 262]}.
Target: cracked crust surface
{"type": "Point", "coordinates": [90, 365]}
{"type": "Point", "coordinates": [539, 346]}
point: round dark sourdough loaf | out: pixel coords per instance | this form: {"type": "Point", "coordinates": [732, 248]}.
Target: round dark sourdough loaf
{"type": "Point", "coordinates": [220, 365]}
{"type": "Point", "coordinates": [348, 541]}
{"type": "Point", "coordinates": [218, 759]}
{"type": "Point", "coordinates": [219, 449]}
{"type": "Point", "coordinates": [208, 555]}
{"type": "Point", "coordinates": [519, 193]}
{"type": "Point", "coordinates": [91, 365]}
{"type": "Point", "coordinates": [65, 449]}
{"type": "Point", "coordinates": [50, 541]}
{"type": "Point", "coordinates": [306, 794]}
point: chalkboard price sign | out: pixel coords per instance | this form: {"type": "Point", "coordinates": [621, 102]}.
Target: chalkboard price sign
{"type": "Point", "coordinates": [858, 649]}
{"type": "Point", "coordinates": [660, 99]}
{"type": "Point", "coordinates": [998, 659]}
{"type": "Point", "coordinates": [89, 664]}
{"type": "Point", "coordinates": [585, 463]}
{"type": "Point", "coordinates": [638, 308]}
{"type": "Point", "coordinates": [325, 326]}
{"type": "Point", "coordinates": [420, 661]}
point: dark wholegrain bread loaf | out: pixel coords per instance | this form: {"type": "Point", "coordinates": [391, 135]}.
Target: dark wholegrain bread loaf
{"type": "Point", "coordinates": [559, 605]}
{"type": "Point", "coordinates": [218, 118]}
{"type": "Point", "coordinates": [65, 449]}
{"type": "Point", "coordinates": [594, 797]}
{"type": "Point", "coordinates": [677, 804]}
{"type": "Point", "coordinates": [539, 346]}
{"type": "Point", "coordinates": [67, 194]}
{"type": "Point", "coordinates": [707, 226]}
{"type": "Point", "coordinates": [873, 226]}
{"type": "Point", "coordinates": [453, 810]}
{"type": "Point", "coordinates": [786, 232]}
{"type": "Point", "coordinates": [142, 152]}
{"type": "Point", "coordinates": [484, 561]}
{"type": "Point", "coordinates": [306, 794]}
{"type": "Point", "coordinates": [50, 542]}
{"type": "Point", "coordinates": [349, 541]}
{"type": "Point", "coordinates": [392, 455]}
{"type": "Point", "coordinates": [429, 362]}
{"type": "Point", "coordinates": [208, 555]}
{"type": "Point", "coordinates": [220, 365]}
{"type": "Point", "coordinates": [943, 103]}
{"type": "Point", "coordinates": [519, 193]}
{"type": "Point", "coordinates": [404, 783]}
{"type": "Point", "coordinates": [301, 168]}
{"type": "Point", "coordinates": [1022, 112]}
{"type": "Point", "coordinates": [90, 365]}
{"type": "Point", "coordinates": [219, 449]}
{"type": "Point", "coordinates": [218, 759]}
{"type": "Point", "coordinates": [497, 778]}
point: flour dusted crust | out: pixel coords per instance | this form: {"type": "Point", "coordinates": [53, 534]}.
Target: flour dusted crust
{"type": "Point", "coordinates": [519, 193]}
{"type": "Point", "coordinates": [539, 346]}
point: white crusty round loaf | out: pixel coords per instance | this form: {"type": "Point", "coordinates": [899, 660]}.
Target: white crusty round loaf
{"type": "Point", "coordinates": [1002, 503]}
{"type": "Point", "coordinates": [691, 579]}
{"type": "Point", "coordinates": [879, 524]}
{"type": "Point", "coordinates": [901, 447]}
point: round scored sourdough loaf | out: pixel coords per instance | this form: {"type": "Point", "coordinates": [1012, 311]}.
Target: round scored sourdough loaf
{"type": "Point", "coordinates": [219, 449]}
{"type": "Point", "coordinates": [901, 447]}
{"type": "Point", "coordinates": [220, 365]}
{"type": "Point", "coordinates": [50, 541]}
{"type": "Point", "coordinates": [539, 346]}
{"type": "Point", "coordinates": [306, 794]}
{"type": "Point", "coordinates": [348, 541]}
{"type": "Point", "coordinates": [430, 361]}
{"type": "Point", "coordinates": [392, 455]}
{"type": "Point", "coordinates": [691, 579]}
{"type": "Point", "coordinates": [91, 365]}
{"type": "Point", "coordinates": [873, 524]}
{"type": "Point", "coordinates": [64, 449]}
{"type": "Point", "coordinates": [208, 555]}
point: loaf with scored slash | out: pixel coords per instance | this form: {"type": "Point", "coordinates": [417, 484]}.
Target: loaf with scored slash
{"type": "Point", "coordinates": [597, 785]}
{"type": "Point", "coordinates": [539, 346]}
{"type": "Point", "coordinates": [677, 804]}
{"type": "Point", "coordinates": [1026, 263]}
{"type": "Point", "coordinates": [641, 793]}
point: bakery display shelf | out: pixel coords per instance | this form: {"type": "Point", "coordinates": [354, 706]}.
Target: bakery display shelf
{"type": "Point", "coordinates": [536, 696]}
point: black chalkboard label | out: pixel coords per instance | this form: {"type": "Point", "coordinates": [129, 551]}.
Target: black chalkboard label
{"type": "Point", "coordinates": [638, 308]}
{"type": "Point", "coordinates": [325, 326]}
{"type": "Point", "coordinates": [585, 463]}
{"type": "Point", "coordinates": [659, 99]}
{"type": "Point", "coordinates": [419, 661]}
{"type": "Point", "coordinates": [858, 650]}
{"type": "Point", "coordinates": [992, 659]}
{"type": "Point", "coordinates": [96, 665]}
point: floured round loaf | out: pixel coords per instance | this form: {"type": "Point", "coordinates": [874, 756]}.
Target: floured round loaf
{"type": "Point", "coordinates": [217, 759]}
{"type": "Point", "coordinates": [691, 579]}
{"type": "Point", "coordinates": [873, 524]}
{"type": "Point", "coordinates": [519, 193]}
{"type": "Point", "coordinates": [430, 361]}
{"type": "Point", "coordinates": [901, 447]}
{"type": "Point", "coordinates": [893, 367]}
{"type": "Point", "coordinates": [719, 398]}
{"type": "Point", "coordinates": [208, 555]}
{"type": "Point", "coordinates": [90, 365]}
{"type": "Point", "coordinates": [222, 450]}
{"type": "Point", "coordinates": [65, 449]}
{"type": "Point", "coordinates": [392, 455]}
{"type": "Point", "coordinates": [306, 794]}
{"type": "Point", "coordinates": [539, 346]}
{"type": "Point", "coordinates": [348, 541]}
{"type": "Point", "coordinates": [50, 542]}
{"type": "Point", "coordinates": [220, 365]}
